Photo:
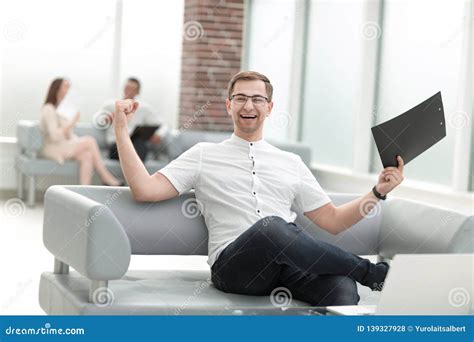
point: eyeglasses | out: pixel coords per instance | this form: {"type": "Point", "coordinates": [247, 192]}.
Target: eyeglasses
{"type": "Point", "coordinates": [241, 99]}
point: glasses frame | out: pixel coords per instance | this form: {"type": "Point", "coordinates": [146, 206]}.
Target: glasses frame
{"type": "Point", "coordinates": [247, 97]}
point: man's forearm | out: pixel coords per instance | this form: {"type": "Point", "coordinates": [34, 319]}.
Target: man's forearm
{"type": "Point", "coordinates": [132, 167]}
{"type": "Point", "coordinates": [352, 212]}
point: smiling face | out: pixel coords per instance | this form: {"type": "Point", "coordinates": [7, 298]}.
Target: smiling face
{"type": "Point", "coordinates": [248, 117]}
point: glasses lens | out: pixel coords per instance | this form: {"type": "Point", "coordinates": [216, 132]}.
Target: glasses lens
{"type": "Point", "coordinates": [258, 100]}
{"type": "Point", "coordinates": [240, 99]}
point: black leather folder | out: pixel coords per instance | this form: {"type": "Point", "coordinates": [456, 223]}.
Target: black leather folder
{"type": "Point", "coordinates": [411, 133]}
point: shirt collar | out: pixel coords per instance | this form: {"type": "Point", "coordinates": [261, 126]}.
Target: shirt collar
{"type": "Point", "coordinates": [242, 142]}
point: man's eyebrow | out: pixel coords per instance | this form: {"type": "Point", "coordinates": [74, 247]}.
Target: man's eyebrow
{"type": "Point", "coordinates": [248, 95]}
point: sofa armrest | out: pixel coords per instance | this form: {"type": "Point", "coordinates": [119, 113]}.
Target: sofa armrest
{"type": "Point", "coordinates": [85, 235]}
{"type": "Point", "coordinates": [29, 137]}
{"type": "Point", "coordinates": [174, 226]}
{"type": "Point", "coordinates": [410, 227]}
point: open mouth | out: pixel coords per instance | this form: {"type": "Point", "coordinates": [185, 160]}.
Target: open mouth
{"type": "Point", "coordinates": [248, 116]}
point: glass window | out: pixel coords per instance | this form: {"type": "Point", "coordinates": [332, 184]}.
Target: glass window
{"type": "Point", "coordinates": [45, 39]}
{"type": "Point", "coordinates": [151, 51]}
{"type": "Point", "coordinates": [331, 79]}
{"type": "Point", "coordinates": [421, 55]}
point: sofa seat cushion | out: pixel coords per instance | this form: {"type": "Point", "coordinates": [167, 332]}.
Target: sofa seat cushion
{"type": "Point", "coordinates": [162, 292]}
{"type": "Point", "coordinates": [43, 167]}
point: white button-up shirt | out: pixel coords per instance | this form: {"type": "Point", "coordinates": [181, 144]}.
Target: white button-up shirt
{"type": "Point", "coordinates": [238, 182]}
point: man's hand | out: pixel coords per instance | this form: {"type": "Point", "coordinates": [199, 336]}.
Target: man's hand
{"type": "Point", "coordinates": [68, 128]}
{"type": "Point", "coordinates": [390, 177]}
{"type": "Point", "coordinates": [155, 139]}
{"type": "Point", "coordinates": [124, 110]}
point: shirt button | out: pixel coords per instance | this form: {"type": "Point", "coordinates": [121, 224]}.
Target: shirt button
{"type": "Point", "coordinates": [253, 172]}
{"type": "Point", "coordinates": [251, 157]}
{"type": "Point", "coordinates": [254, 193]}
{"type": "Point", "coordinates": [251, 144]}
{"type": "Point", "coordinates": [258, 211]}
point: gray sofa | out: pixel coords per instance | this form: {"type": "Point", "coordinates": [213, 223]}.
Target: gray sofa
{"type": "Point", "coordinates": [96, 230]}
{"type": "Point", "coordinates": [29, 164]}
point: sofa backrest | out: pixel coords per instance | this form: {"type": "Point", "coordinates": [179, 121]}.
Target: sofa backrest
{"type": "Point", "coordinates": [176, 226]}
{"type": "Point", "coordinates": [411, 227]}
{"type": "Point", "coordinates": [30, 139]}
{"type": "Point", "coordinates": [360, 239]}
{"type": "Point", "coordinates": [82, 129]}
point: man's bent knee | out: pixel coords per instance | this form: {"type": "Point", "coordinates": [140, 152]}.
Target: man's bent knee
{"type": "Point", "coordinates": [344, 292]}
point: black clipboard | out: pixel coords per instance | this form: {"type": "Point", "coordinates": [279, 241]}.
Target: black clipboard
{"type": "Point", "coordinates": [411, 133]}
{"type": "Point", "coordinates": [144, 132]}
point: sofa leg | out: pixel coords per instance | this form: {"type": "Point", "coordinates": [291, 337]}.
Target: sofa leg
{"type": "Point", "coordinates": [31, 191]}
{"type": "Point", "coordinates": [19, 184]}
{"type": "Point", "coordinates": [60, 267]}
{"type": "Point", "coordinates": [99, 293]}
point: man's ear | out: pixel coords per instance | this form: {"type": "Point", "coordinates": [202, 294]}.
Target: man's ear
{"type": "Point", "coordinates": [227, 106]}
{"type": "Point", "coordinates": [269, 108]}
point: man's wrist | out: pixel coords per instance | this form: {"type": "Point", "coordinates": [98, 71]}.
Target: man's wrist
{"type": "Point", "coordinates": [378, 194]}
{"type": "Point", "coordinates": [120, 129]}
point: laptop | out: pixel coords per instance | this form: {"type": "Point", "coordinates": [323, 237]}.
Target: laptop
{"type": "Point", "coordinates": [144, 132]}
{"type": "Point", "coordinates": [422, 284]}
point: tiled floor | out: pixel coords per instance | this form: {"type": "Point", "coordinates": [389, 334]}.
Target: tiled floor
{"type": "Point", "coordinates": [23, 258]}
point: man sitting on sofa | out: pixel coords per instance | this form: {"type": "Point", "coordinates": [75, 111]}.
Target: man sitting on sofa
{"type": "Point", "coordinates": [245, 188]}
{"type": "Point", "coordinates": [145, 116]}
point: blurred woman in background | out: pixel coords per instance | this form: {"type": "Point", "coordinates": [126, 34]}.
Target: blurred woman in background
{"type": "Point", "coordinates": [60, 142]}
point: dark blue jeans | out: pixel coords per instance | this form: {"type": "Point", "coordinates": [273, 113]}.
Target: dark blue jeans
{"type": "Point", "coordinates": [274, 253]}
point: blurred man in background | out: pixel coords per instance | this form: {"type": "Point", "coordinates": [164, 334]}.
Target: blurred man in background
{"type": "Point", "coordinates": [145, 116]}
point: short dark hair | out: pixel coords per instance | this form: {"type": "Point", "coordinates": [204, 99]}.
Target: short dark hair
{"type": "Point", "coordinates": [250, 76]}
{"type": "Point", "coordinates": [135, 80]}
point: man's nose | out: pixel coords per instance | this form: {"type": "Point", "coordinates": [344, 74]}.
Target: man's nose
{"type": "Point", "coordinates": [248, 104]}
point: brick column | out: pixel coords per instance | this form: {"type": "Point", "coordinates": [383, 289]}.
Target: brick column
{"type": "Point", "coordinates": [212, 49]}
